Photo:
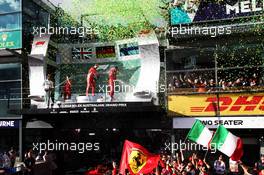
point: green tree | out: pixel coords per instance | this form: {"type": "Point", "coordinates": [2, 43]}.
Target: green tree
{"type": "Point", "coordinates": [119, 19]}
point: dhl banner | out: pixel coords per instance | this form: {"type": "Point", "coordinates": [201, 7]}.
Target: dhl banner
{"type": "Point", "coordinates": [207, 105]}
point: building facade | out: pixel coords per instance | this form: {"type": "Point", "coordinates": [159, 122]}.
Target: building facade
{"type": "Point", "coordinates": [17, 18]}
{"type": "Point", "coordinates": [214, 70]}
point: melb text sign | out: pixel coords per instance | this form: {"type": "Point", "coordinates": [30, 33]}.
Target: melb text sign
{"type": "Point", "coordinates": [245, 7]}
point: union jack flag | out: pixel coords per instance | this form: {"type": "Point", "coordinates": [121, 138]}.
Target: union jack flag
{"type": "Point", "coordinates": [82, 53]}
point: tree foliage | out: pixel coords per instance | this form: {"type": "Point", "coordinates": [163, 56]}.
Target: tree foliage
{"type": "Point", "coordinates": [119, 19]}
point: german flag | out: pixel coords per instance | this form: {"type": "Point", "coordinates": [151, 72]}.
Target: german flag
{"type": "Point", "coordinates": [137, 160]}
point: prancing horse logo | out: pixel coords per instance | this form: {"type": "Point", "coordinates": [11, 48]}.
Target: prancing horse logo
{"type": "Point", "coordinates": [137, 160]}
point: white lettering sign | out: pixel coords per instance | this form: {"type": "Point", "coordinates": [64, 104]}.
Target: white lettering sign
{"type": "Point", "coordinates": [245, 7]}
{"type": "Point", "coordinates": [213, 122]}
{"type": "Point", "coordinates": [7, 123]}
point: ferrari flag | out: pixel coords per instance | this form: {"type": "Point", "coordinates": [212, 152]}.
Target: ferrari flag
{"type": "Point", "coordinates": [137, 160]}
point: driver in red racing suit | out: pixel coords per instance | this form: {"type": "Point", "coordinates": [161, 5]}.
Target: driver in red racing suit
{"type": "Point", "coordinates": [91, 79]}
{"type": "Point", "coordinates": [111, 81]}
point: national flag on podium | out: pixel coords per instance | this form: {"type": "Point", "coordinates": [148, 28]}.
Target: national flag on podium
{"type": "Point", "coordinates": [137, 160]}
{"type": "Point", "coordinates": [82, 53]}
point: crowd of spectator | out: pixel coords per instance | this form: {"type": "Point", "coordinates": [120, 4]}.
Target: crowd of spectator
{"type": "Point", "coordinates": [206, 82]}
{"type": "Point", "coordinates": [193, 165]}
{"type": "Point", "coordinates": [177, 164]}
{"type": "Point", "coordinates": [199, 165]}
{"type": "Point", "coordinates": [7, 161]}
{"type": "Point", "coordinates": [42, 164]}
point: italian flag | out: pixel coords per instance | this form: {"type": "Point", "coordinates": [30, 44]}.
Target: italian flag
{"type": "Point", "coordinates": [200, 134]}
{"type": "Point", "coordinates": [227, 143]}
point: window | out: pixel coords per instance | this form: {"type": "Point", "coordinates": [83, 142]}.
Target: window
{"type": "Point", "coordinates": [10, 88]}
{"type": "Point", "coordinates": [7, 6]}
{"type": "Point", "coordinates": [10, 15]}
{"type": "Point", "coordinates": [10, 21]}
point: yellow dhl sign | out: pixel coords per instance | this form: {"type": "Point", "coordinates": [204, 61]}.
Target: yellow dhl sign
{"type": "Point", "coordinates": [208, 105]}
